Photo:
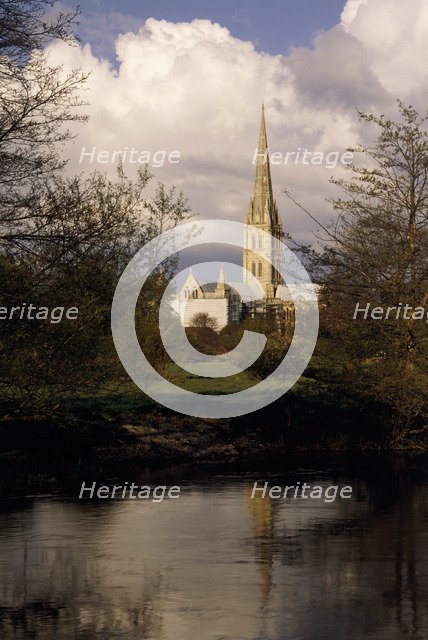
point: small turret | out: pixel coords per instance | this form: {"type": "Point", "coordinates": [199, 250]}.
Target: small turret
{"type": "Point", "coordinates": [221, 284]}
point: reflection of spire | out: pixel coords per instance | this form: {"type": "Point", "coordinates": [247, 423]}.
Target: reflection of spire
{"type": "Point", "coordinates": [262, 513]}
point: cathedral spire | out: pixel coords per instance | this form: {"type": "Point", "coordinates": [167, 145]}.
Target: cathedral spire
{"type": "Point", "coordinates": [263, 216]}
{"type": "Point", "coordinates": [263, 145]}
{"type": "Point", "coordinates": [262, 200]}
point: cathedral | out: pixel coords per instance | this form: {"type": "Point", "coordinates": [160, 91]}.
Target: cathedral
{"type": "Point", "coordinates": [220, 300]}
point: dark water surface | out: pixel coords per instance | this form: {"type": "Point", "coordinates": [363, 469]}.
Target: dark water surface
{"type": "Point", "coordinates": [216, 564]}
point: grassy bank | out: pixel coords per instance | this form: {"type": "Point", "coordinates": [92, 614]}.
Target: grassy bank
{"type": "Point", "coordinates": [125, 426]}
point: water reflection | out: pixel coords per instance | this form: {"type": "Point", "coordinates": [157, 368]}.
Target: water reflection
{"type": "Point", "coordinates": [216, 564]}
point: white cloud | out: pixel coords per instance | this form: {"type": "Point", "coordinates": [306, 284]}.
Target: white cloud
{"type": "Point", "coordinates": [393, 34]}
{"type": "Point", "coordinates": [350, 12]}
{"type": "Point", "coordinates": [195, 88]}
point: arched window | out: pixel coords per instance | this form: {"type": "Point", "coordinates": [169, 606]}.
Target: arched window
{"type": "Point", "coordinates": [253, 268]}
{"type": "Point", "coordinates": [260, 270]}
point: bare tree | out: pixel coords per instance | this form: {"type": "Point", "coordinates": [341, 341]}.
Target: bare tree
{"type": "Point", "coordinates": [203, 320]}
{"type": "Point", "coordinates": [86, 229]}
{"type": "Point", "coordinates": [376, 251]}
{"type": "Point", "coordinates": [63, 241]}
{"type": "Point", "coordinates": [38, 101]}
{"type": "Point", "coordinates": [381, 231]}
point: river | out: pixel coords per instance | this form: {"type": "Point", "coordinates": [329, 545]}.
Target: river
{"type": "Point", "coordinates": [217, 564]}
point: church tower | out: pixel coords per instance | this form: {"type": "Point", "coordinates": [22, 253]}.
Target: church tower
{"type": "Point", "coordinates": [263, 216]}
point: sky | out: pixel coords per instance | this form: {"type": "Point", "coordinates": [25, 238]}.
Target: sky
{"type": "Point", "coordinates": [272, 25]}
{"type": "Point", "coordinates": [190, 77]}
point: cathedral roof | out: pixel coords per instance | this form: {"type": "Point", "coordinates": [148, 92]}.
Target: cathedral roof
{"type": "Point", "coordinates": [211, 287]}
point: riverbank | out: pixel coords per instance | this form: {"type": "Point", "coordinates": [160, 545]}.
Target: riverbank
{"type": "Point", "coordinates": [94, 434]}
{"type": "Point", "coordinates": [124, 428]}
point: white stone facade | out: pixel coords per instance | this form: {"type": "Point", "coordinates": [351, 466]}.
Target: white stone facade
{"type": "Point", "coordinates": [216, 308]}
